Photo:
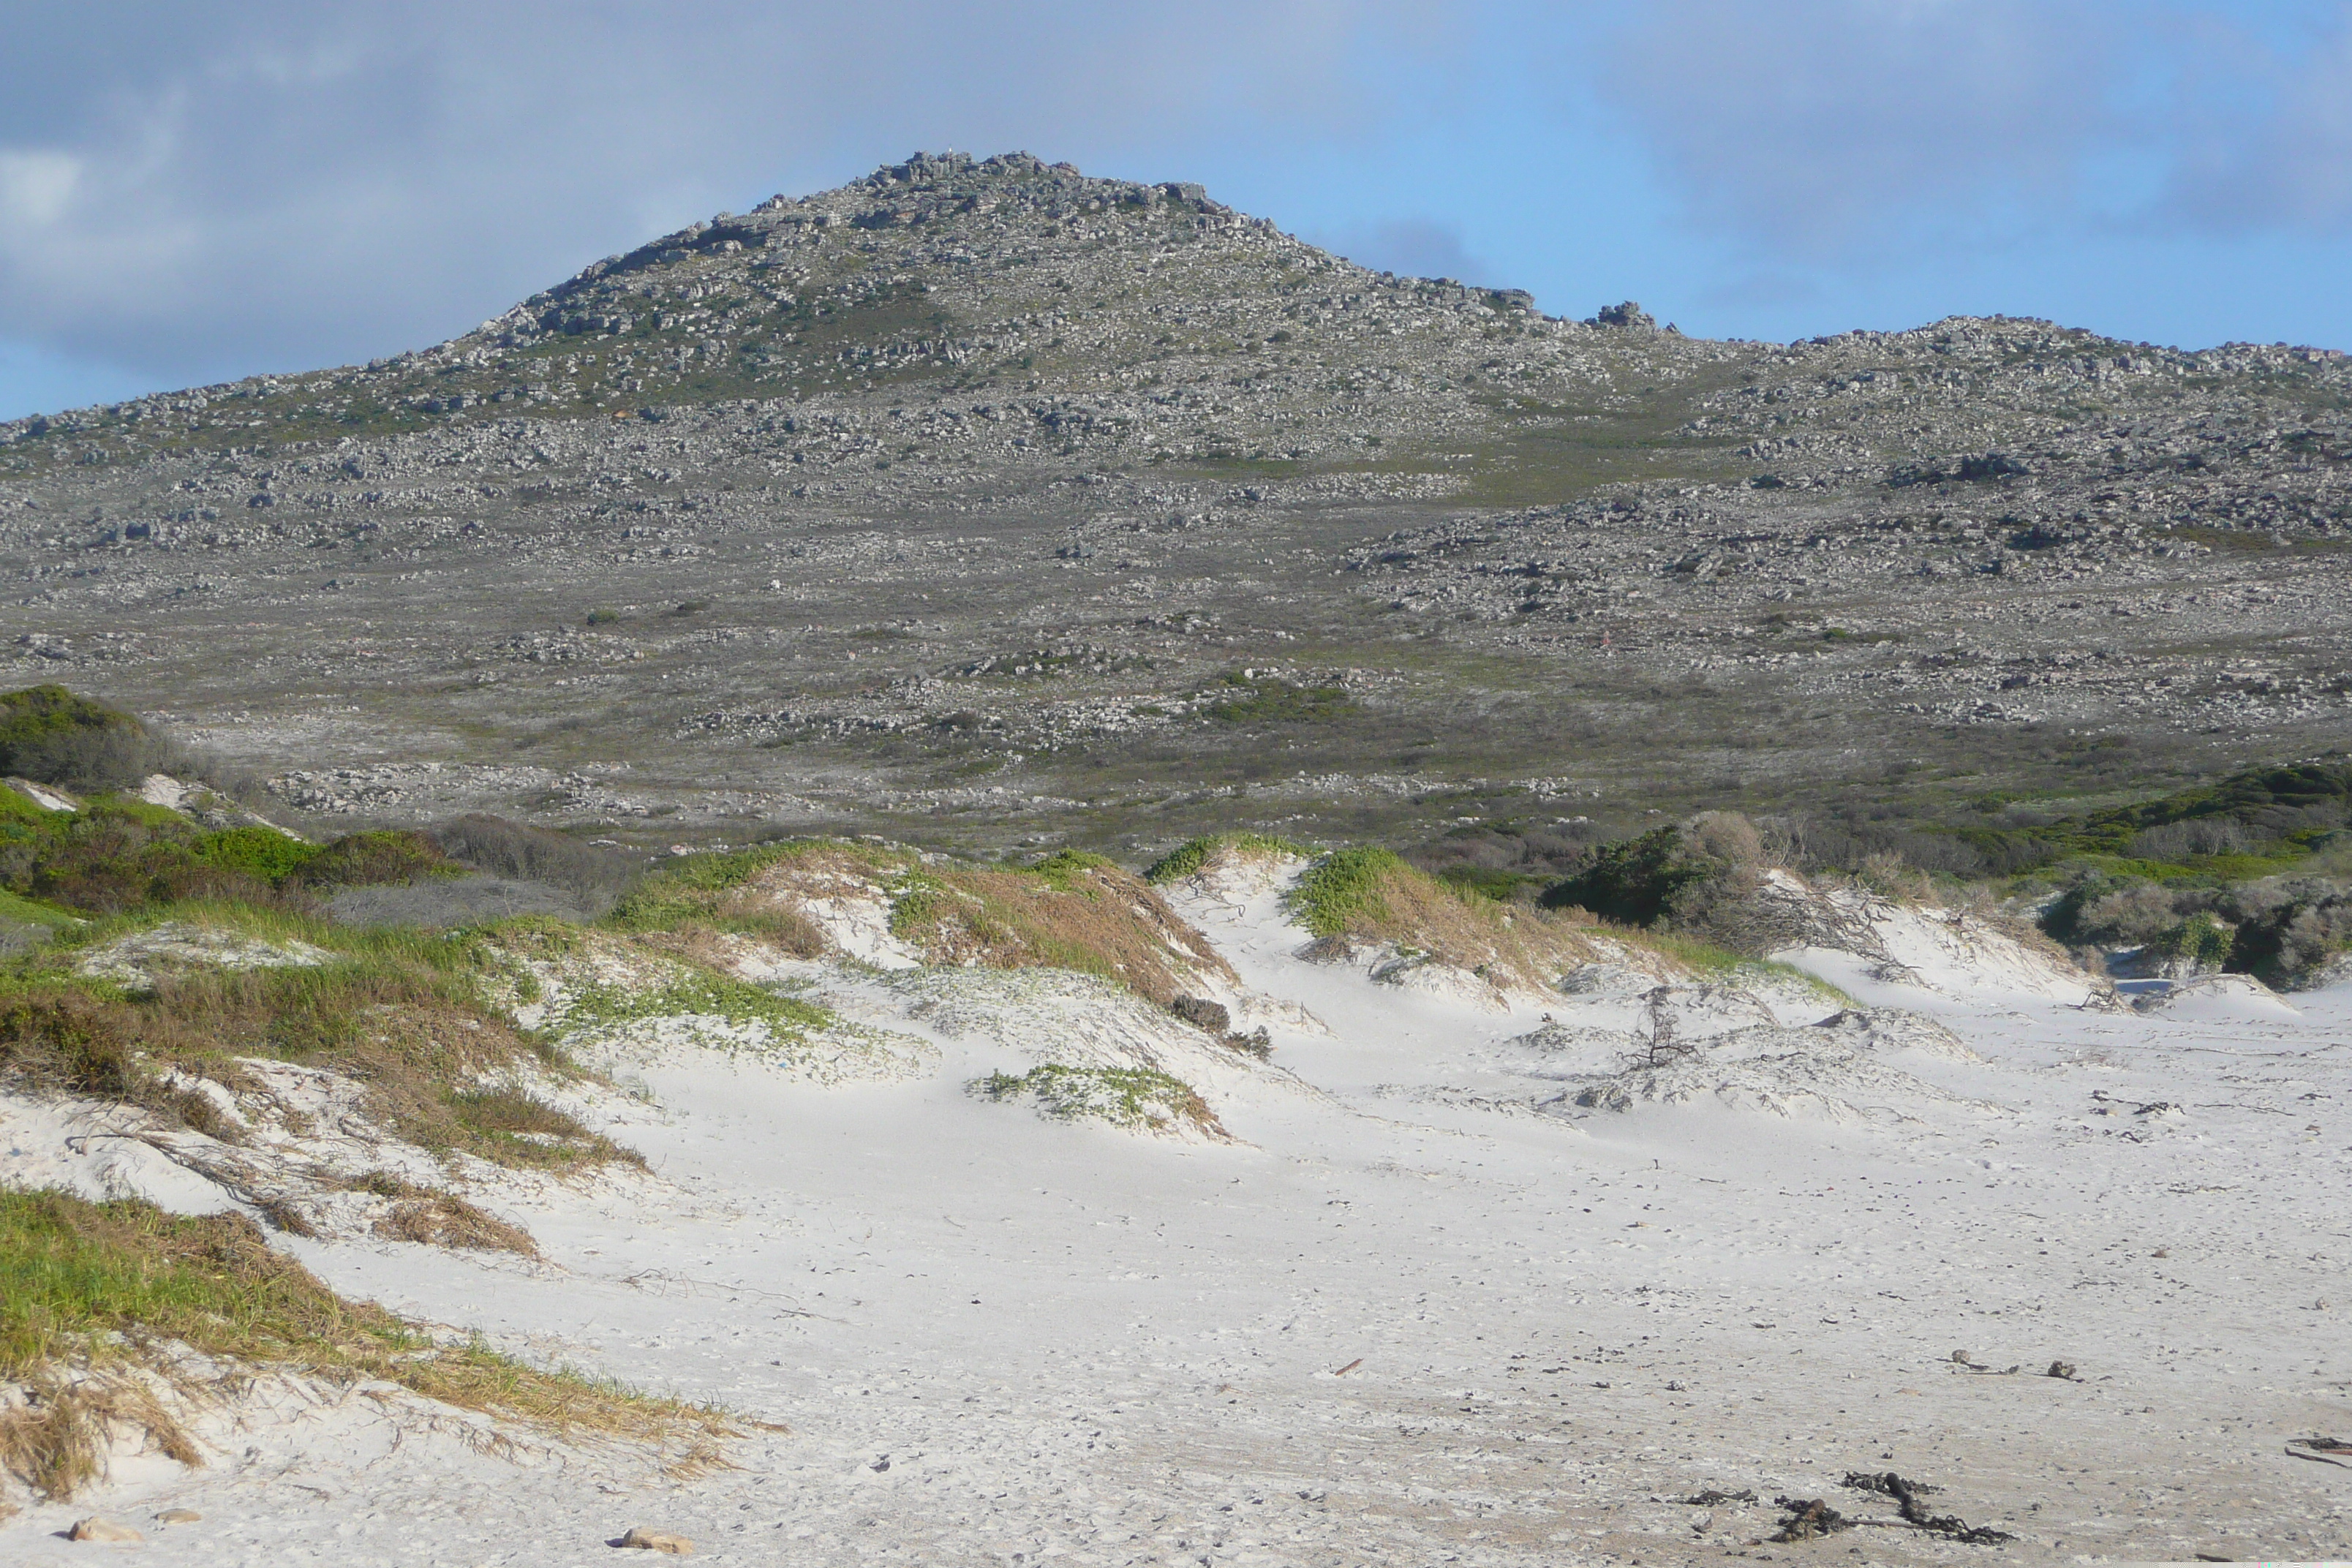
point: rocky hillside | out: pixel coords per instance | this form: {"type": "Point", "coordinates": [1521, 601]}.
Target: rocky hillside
{"type": "Point", "coordinates": [986, 492]}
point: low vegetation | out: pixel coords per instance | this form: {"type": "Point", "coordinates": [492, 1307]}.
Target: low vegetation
{"type": "Point", "coordinates": [1141, 1099]}
{"type": "Point", "coordinates": [1259, 699]}
{"type": "Point", "coordinates": [54, 736]}
{"type": "Point", "coordinates": [117, 855]}
{"type": "Point", "coordinates": [51, 736]}
{"type": "Point", "coordinates": [1372, 895]}
{"type": "Point", "coordinates": [1193, 854]}
{"type": "Point", "coordinates": [102, 1296]}
{"type": "Point", "coordinates": [2247, 824]}
{"type": "Point", "coordinates": [404, 1014]}
{"type": "Point", "coordinates": [691, 994]}
{"type": "Point", "coordinates": [594, 874]}
{"type": "Point", "coordinates": [1070, 910]}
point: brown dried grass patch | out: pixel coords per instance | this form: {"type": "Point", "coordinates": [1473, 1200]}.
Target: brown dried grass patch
{"type": "Point", "coordinates": [57, 1440]}
{"type": "Point", "coordinates": [100, 1293]}
{"type": "Point", "coordinates": [1504, 943]}
{"type": "Point", "coordinates": [1093, 917]}
{"type": "Point", "coordinates": [417, 1039]}
{"type": "Point", "coordinates": [437, 1218]}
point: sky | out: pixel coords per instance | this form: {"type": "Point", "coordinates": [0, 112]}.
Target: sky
{"type": "Point", "coordinates": [194, 192]}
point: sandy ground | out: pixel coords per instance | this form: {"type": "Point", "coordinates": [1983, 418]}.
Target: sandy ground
{"type": "Point", "coordinates": [1429, 1308]}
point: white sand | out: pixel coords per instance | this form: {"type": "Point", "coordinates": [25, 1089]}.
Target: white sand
{"type": "Point", "coordinates": [1001, 1339]}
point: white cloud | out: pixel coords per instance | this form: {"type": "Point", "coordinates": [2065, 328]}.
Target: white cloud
{"type": "Point", "coordinates": [282, 183]}
{"type": "Point", "coordinates": [1853, 131]}
{"type": "Point", "coordinates": [35, 189]}
{"type": "Point", "coordinates": [1823, 125]}
{"type": "Point", "coordinates": [2289, 164]}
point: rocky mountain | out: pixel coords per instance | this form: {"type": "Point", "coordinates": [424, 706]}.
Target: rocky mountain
{"type": "Point", "coordinates": [982, 501]}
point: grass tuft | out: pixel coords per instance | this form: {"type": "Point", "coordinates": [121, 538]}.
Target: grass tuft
{"type": "Point", "coordinates": [1372, 895]}
{"type": "Point", "coordinates": [100, 1293]}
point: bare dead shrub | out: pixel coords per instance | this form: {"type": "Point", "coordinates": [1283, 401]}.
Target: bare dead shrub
{"type": "Point", "coordinates": [444, 1219]}
{"type": "Point", "coordinates": [56, 1442]}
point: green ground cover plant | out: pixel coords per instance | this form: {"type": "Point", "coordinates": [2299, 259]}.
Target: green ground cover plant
{"type": "Point", "coordinates": [1345, 891]}
{"type": "Point", "coordinates": [1138, 1098]}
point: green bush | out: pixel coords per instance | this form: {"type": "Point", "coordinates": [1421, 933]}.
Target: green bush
{"type": "Point", "coordinates": [1636, 882]}
{"type": "Point", "coordinates": [373, 860]}
{"type": "Point", "coordinates": [120, 853]}
{"type": "Point", "coordinates": [1192, 854]}
{"type": "Point", "coordinates": [1065, 870]}
{"type": "Point", "coordinates": [1341, 888]}
{"type": "Point", "coordinates": [1264, 701]}
{"type": "Point", "coordinates": [1490, 882]}
{"type": "Point", "coordinates": [261, 852]}
{"type": "Point", "coordinates": [51, 736]}
{"type": "Point", "coordinates": [2199, 940]}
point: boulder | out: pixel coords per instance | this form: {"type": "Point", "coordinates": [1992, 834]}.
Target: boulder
{"type": "Point", "coordinates": [1629, 314]}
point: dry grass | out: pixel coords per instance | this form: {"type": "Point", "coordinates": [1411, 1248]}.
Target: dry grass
{"type": "Point", "coordinates": [1371, 895]}
{"type": "Point", "coordinates": [716, 945]}
{"type": "Point", "coordinates": [100, 1293]}
{"type": "Point", "coordinates": [440, 1219]}
{"type": "Point", "coordinates": [1072, 911]}
{"type": "Point", "coordinates": [56, 1443]}
{"type": "Point", "coordinates": [786, 930]}
{"type": "Point", "coordinates": [1088, 915]}
{"type": "Point", "coordinates": [404, 1017]}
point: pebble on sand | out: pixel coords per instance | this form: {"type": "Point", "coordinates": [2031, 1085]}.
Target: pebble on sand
{"type": "Point", "coordinates": [655, 1540]}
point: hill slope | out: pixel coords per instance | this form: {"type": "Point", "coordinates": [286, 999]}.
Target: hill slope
{"type": "Point", "coordinates": [978, 490]}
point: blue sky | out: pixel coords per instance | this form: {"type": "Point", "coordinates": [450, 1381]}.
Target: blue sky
{"type": "Point", "coordinates": [193, 192]}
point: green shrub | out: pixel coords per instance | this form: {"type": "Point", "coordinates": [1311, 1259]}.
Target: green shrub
{"type": "Point", "coordinates": [2199, 940]}
{"type": "Point", "coordinates": [1342, 889]}
{"type": "Point", "coordinates": [51, 736]}
{"type": "Point", "coordinates": [117, 855]}
{"type": "Point", "coordinates": [1636, 882]}
{"type": "Point", "coordinates": [1192, 855]}
{"type": "Point", "coordinates": [1065, 870]}
{"type": "Point", "coordinates": [1491, 882]}
{"type": "Point", "coordinates": [594, 873]}
{"type": "Point", "coordinates": [373, 859]}
{"type": "Point", "coordinates": [1265, 700]}
{"type": "Point", "coordinates": [261, 852]}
